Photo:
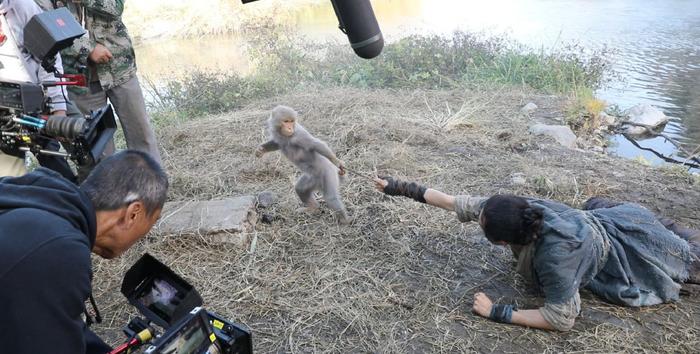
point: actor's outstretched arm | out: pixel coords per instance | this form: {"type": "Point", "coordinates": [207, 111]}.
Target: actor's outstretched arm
{"type": "Point", "coordinates": [415, 191]}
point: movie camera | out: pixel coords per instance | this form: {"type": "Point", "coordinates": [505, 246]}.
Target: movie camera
{"type": "Point", "coordinates": [168, 301]}
{"type": "Point", "coordinates": [24, 123]}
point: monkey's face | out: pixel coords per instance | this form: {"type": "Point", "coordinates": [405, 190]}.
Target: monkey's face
{"type": "Point", "coordinates": [287, 127]}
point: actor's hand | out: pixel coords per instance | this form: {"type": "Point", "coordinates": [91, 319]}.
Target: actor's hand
{"type": "Point", "coordinates": [100, 54]}
{"type": "Point", "coordinates": [482, 305]}
{"type": "Point", "coordinates": [380, 183]}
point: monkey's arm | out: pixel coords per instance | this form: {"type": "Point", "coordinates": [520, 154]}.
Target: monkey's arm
{"type": "Point", "coordinates": [267, 147]}
{"type": "Point", "coordinates": [323, 149]}
{"type": "Point", "coordinates": [270, 146]}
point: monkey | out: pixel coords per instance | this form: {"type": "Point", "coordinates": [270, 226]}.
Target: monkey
{"type": "Point", "coordinates": [321, 168]}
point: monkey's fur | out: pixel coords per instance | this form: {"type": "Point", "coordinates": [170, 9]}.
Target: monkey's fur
{"type": "Point", "coordinates": [312, 156]}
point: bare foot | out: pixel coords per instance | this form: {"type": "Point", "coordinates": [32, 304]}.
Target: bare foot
{"type": "Point", "coordinates": [308, 210]}
{"type": "Point", "coordinates": [344, 219]}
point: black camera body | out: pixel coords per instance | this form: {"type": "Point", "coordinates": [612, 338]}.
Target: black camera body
{"type": "Point", "coordinates": [24, 123]}
{"type": "Point", "coordinates": [167, 300]}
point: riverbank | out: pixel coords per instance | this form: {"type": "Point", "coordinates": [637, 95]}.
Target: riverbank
{"type": "Point", "coordinates": [158, 19]}
{"type": "Point", "coordinates": [402, 276]}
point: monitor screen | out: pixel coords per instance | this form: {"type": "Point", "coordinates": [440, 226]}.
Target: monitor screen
{"type": "Point", "coordinates": [191, 337]}
{"type": "Point", "coordinates": [160, 297]}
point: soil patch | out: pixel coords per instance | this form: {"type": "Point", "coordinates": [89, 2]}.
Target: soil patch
{"type": "Point", "coordinates": [401, 278]}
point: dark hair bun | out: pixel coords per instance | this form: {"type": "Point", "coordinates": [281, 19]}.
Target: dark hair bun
{"type": "Point", "coordinates": [511, 219]}
{"type": "Point", "coordinates": [532, 218]}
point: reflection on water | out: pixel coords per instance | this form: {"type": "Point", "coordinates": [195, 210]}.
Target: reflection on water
{"type": "Point", "coordinates": [162, 60]}
{"type": "Point", "coordinates": [658, 42]}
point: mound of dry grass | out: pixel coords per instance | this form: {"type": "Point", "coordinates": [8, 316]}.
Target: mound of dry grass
{"type": "Point", "coordinates": [401, 278]}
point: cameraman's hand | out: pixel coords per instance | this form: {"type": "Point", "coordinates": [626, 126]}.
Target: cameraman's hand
{"type": "Point", "coordinates": [100, 54]}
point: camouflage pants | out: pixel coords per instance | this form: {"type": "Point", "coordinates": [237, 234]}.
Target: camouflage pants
{"type": "Point", "coordinates": [130, 109]}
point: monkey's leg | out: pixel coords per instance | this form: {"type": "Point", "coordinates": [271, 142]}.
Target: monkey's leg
{"type": "Point", "coordinates": [305, 190]}
{"type": "Point", "coordinates": [332, 197]}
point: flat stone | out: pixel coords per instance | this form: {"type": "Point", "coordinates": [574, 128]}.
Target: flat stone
{"type": "Point", "coordinates": [606, 119]}
{"type": "Point", "coordinates": [518, 179]}
{"type": "Point", "coordinates": [266, 199]}
{"type": "Point", "coordinates": [528, 108]}
{"type": "Point", "coordinates": [562, 134]}
{"type": "Point", "coordinates": [227, 220]}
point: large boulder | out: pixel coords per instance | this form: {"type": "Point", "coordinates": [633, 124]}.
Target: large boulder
{"type": "Point", "coordinates": [560, 133]}
{"type": "Point", "coordinates": [647, 115]}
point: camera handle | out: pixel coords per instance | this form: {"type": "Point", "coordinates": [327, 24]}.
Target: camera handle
{"type": "Point", "coordinates": [140, 338]}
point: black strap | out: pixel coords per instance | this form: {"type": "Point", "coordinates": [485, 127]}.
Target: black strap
{"type": "Point", "coordinates": [88, 318]}
{"type": "Point", "coordinates": [411, 190]}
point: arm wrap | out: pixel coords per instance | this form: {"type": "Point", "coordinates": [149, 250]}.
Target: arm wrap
{"type": "Point", "coordinates": [502, 313]}
{"type": "Point", "coordinates": [411, 190]}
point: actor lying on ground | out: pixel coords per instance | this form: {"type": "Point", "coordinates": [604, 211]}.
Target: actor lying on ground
{"type": "Point", "coordinates": [622, 252]}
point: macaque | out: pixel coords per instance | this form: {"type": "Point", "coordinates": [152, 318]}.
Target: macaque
{"type": "Point", "coordinates": [312, 156]}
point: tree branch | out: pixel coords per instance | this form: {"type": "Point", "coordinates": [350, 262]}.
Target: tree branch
{"type": "Point", "coordinates": [649, 129]}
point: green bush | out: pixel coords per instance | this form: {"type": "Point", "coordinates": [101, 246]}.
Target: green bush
{"type": "Point", "coordinates": [418, 61]}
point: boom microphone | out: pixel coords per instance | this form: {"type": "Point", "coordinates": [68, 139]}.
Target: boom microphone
{"type": "Point", "coordinates": [358, 22]}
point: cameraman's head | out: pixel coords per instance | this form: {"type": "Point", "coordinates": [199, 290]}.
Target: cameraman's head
{"type": "Point", "coordinates": [128, 191]}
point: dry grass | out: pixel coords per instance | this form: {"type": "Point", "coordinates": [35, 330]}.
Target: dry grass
{"type": "Point", "coordinates": [401, 278]}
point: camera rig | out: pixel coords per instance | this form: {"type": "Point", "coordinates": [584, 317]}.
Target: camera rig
{"type": "Point", "coordinates": [24, 122]}
{"type": "Point", "coordinates": [168, 301]}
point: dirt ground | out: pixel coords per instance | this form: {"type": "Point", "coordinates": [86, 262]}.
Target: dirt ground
{"type": "Point", "coordinates": [401, 278]}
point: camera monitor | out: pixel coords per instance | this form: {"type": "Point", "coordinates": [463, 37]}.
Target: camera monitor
{"type": "Point", "coordinates": [158, 293]}
{"type": "Point", "coordinates": [193, 335]}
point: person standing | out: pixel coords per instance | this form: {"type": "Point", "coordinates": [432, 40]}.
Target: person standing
{"type": "Point", "coordinates": [107, 56]}
{"type": "Point", "coordinates": [19, 65]}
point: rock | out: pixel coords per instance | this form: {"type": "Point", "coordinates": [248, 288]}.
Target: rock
{"type": "Point", "coordinates": [598, 149]}
{"type": "Point", "coordinates": [267, 218]}
{"type": "Point", "coordinates": [562, 134]}
{"type": "Point", "coordinates": [504, 135]}
{"type": "Point", "coordinates": [647, 115]}
{"type": "Point", "coordinates": [518, 146]}
{"type": "Point", "coordinates": [518, 179]}
{"type": "Point", "coordinates": [228, 220]}
{"type": "Point", "coordinates": [606, 119]}
{"type": "Point", "coordinates": [266, 199]}
{"type": "Point", "coordinates": [528, 108]}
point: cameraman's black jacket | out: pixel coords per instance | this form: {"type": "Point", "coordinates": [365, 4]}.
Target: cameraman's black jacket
{"type": "Point", "coordinates": [47, 229]}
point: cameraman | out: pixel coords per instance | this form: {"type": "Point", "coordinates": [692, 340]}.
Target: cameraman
{"type": "Point", "coordinates": [18, 13]}
{"type": "Point", "coordinates": [48, 226]}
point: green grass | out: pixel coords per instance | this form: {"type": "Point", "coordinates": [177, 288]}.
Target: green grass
{"type": "Point", "coordinates": [415, 62]}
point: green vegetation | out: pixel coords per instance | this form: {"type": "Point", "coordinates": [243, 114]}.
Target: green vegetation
{"type": "Point", "coordinates": [415, 62]}
{"type": "Point", "coordinates": [583, 113]}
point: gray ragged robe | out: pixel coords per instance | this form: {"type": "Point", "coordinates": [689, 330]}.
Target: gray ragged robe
{"type": "Point", "coordinates": [622, 254]}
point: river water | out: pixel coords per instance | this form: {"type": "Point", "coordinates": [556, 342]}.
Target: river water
{"type": "Point", "coordinates": [657, 44]}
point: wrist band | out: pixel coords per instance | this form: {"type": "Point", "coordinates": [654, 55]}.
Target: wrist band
{"type": "Point", "coordinates": [502, 313]}
{"type": "Point", "coordinates": [411, 190]}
